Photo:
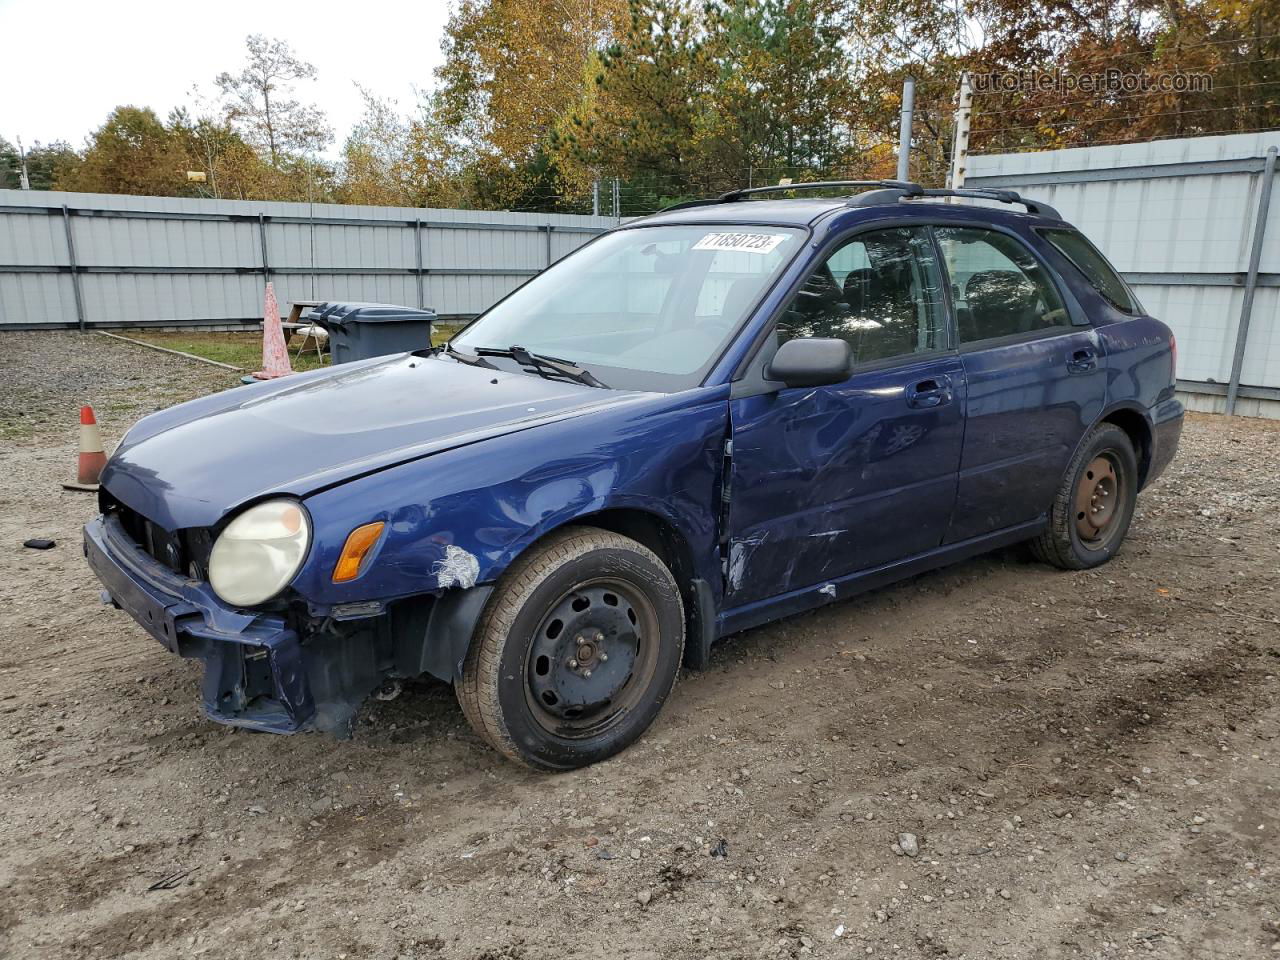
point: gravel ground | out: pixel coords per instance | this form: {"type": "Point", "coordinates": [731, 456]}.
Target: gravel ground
{"type": "Point", "coordinates": [996, 760]}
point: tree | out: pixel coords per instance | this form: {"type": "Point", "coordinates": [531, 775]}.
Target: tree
{"type": "Point", "coordinates": [1233, 42]}
{"type": "Point", "coordinates": [261, 104]}
{"type": "Point", "coordinates": [646, 111]}
{"type": "Point", "coordinates": [44, 164]}
{"type": "Point", "coordinates": [512, 70]}
{"type": "Point", "coordinates": [10, 166]}
{"type": "Point", "coordinates": [47, 163]}
{"type": "Point", "coordinates": [404, 160]}
{"type": "Point", "coordinates": [890, 40]}
{"type": "Point", "coordinates": [133, 153]}
{"type": "Point", "coordinates": [373, 155]}
{"type": "Point", "coordinates": [207, 143]}
{"type": "Point", "coordinates": [693, 100]}
{"type": "Point", "coordinates": [783, 86]}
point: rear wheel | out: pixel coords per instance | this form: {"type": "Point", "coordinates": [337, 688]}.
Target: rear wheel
{"type": "Point", "coordinates": [576, 652]}
{"type": "Point", "coordinates": [1094, 505]}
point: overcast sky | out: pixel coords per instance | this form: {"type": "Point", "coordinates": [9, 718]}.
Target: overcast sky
{"type": "Point", "coordinates": [67, 64]}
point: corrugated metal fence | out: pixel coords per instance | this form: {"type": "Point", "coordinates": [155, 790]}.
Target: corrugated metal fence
{"type": "Point", "coordinates": [1183, 221]}
{"type": "Point", "coordinates": [98, 260]}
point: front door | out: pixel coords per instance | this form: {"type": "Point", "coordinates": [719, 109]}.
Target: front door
{"type": "Point", "coordinates": [1036, 381]}
{"type": "Point", "coordinates": [831, 480]}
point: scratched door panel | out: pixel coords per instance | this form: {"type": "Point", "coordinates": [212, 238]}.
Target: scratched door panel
{"type": "Point", "coordinates": [1029, 405]}
{"type": "Point", "coordinates": [831, 480]}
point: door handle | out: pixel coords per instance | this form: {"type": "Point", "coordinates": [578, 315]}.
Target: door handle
{"type": "Point", "coordinates": [933, 392]}
{"type": "Point", "coordinates": [1083, 360]}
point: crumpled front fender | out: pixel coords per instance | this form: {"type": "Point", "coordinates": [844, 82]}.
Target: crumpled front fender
{"type": "Point", "coordinates": [460, 517]}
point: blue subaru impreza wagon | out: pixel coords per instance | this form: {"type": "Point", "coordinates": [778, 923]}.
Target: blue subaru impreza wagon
{"type": "Point", "coordinates": [729, 412]}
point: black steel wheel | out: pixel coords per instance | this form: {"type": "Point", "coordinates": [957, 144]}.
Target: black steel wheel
{"type": "Point", "coordinates": [1094, 506]}
{"type": "Point", "coordinates": [577, 651]}
{"type": "Point", "coordinates": [592, 657]}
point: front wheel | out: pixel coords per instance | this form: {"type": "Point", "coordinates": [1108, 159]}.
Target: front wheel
{"type": "Point", "coordinates": [576, 652]}
{"type": "Point", "coordinates": [1094, 506]}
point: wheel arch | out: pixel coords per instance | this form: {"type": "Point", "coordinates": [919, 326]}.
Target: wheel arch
{"type": "Point", "coordinates": [649, 529]}
{"type": "Point", "coordinates": [447, 627]}
{"type": "Point", "coordinates": [1137, 425]}
{"type": "Point", "coordinates": [672, 545]}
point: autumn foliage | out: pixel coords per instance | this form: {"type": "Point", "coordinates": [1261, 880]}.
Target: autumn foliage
{"type": "Point", "coordinates": [546, 104]}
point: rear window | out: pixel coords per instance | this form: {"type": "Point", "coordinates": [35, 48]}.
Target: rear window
{"type": "Point", "coordinates": [1076, 248]}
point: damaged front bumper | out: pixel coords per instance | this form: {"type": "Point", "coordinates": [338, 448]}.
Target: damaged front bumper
{"type": "Point", "coordinates": [255, 673]}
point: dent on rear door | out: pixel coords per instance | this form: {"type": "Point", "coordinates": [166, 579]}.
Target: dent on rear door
{"type": "Point", "coordinates": [1028, 408]}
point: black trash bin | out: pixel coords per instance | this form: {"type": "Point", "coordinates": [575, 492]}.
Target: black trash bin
{"type": "Point", "coordinates": [358, 331]}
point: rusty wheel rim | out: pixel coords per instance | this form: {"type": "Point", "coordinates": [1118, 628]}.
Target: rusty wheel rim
{"type": "Point", "coordinates": [1099, 494]}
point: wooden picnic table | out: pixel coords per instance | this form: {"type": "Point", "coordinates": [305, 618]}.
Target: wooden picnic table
{"type": "Point", "coordinates": [295, 317]}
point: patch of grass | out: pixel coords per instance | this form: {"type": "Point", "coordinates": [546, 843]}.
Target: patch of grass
{"type": "Point", "coordinates": [18, 429]}
{"type": "Point", "coordinates": [245, 349]}
{"type": "Point", "coordinates": [440, 332]}
{"type": "Point", "coordinates": [238, 349]}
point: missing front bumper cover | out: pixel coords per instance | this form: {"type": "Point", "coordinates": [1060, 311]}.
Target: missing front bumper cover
{"type": "Point", "coordinates": [257, 673]}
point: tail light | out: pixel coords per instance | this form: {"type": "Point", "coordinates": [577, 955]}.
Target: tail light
{"type": "Point", "coordinates": [1173, 358]}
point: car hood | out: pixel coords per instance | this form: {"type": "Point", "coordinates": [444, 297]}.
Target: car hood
{"type": "Point", "coordinates": [190, 465]}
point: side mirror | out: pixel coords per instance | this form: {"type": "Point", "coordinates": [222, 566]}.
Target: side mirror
{"type": "Point", "coordinates": [811, 362]}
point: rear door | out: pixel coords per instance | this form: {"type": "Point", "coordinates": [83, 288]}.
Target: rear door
{"type": "Point", "coordinates": [1036, 380]}
{"type": "Point", "coordinates": [831, 480]}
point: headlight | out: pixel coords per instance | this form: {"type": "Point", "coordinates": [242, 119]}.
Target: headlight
{"type": "Point", "coordinates": [259, 552]}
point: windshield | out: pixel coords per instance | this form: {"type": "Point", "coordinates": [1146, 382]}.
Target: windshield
{"type": "Point", "coordinates": [649, 308]}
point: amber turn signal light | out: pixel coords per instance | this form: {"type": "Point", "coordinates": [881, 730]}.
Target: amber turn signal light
{"type": "Point", "coordinates": [359, 542]}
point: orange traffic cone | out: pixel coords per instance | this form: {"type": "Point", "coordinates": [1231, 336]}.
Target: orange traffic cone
{"type": "Point", "coordinates": [275, 356]}
{"type": "Point", "coordinates": [92, 455]}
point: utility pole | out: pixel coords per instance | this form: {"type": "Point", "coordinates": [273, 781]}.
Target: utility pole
{"type": "Point", "coordinates": [960, 147]}
{"type": "Point", "coordinates": [24, 182]}
{"type": "Point", "coordinates": [904, 131]}
{"type": "Point", "coordinates": [595, 197]}
{"type": "Point", "coordinates": [617, 199]}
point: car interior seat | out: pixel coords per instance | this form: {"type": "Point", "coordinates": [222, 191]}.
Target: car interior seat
{"type": "Point", "coordinates": [736, 301]}
{"type": "Point", "coordinates": [880, 298]}
{"type": "Point", "coordinates": [1000, 303]}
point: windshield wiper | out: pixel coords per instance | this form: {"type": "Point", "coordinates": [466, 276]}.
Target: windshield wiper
{"type": "Point", "coordinates": [549, 367]}
{"type": "Point", "coordinates": [469, 358]}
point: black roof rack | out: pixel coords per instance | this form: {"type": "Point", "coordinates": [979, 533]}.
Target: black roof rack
{"type": "Point", "coordinates": [889, 190]}
{"type": "Point", "coordinates": [905, 188]}
{"type": "Point", "coordinates": [1035, 207]}
{"type": "Point", "coordinates": [882, 192]}
{"type": "Point", "coordinates": [889, 194]}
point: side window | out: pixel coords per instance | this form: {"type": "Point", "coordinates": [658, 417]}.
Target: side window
{"type": "Point", "coordinates": [880, 291]}
{"type": "Point", "coordinates": [1076, 248]}
{"type": "Point", "coordinates": [999, 288]}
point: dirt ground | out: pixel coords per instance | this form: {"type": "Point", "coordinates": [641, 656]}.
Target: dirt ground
{"type": "Point", "coordinates": [1089, 762]}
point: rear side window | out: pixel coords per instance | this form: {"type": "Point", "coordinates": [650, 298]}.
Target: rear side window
{"type": "Point", "coordinates": [1076, 248]}
{"type": "Point", "coordinates": [998, 287]}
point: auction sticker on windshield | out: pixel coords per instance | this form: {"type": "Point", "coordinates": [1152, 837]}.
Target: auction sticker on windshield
{"type": "Point", "coordinates": [745, 242]}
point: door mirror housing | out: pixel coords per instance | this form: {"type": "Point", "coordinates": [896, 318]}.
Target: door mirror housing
{"type": "Point", "coordinates": [811, 362]}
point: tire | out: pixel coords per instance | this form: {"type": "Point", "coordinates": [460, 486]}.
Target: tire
{"type": "Point", "coordinates": [1093, 508]}
{"type": "Point", "coordinates": [576, 652]}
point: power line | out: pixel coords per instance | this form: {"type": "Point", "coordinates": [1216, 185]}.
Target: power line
{"type": "Point", "coordinates": [1127, 96]}
{"type": "Point", "coordinates": [1182, 48]}
{"type": "Point", "coordinates": [1041, 148]}
{"type": "Point", "coordinates": [1133, 116]}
